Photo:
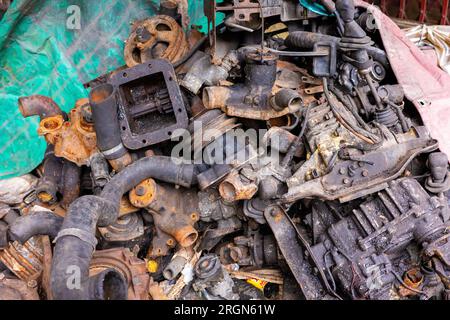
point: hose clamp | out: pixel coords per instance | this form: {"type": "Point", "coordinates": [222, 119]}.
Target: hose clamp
{"type": "Point", "coordinates": [114, 152]}
{"type": "Point", "coordinates": [80, 234]}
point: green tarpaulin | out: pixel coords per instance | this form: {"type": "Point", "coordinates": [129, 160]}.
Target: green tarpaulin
{"type": "Point", "coordinates": [52, 47]}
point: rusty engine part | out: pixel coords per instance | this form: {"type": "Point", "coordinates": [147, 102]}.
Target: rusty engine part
{"type": "Point", "coordinates": [151, 107]}
{"type": "Point", "coordinates": [174, 214]}
{"type": "Point", "coordinates": [304, 167]}
{"type": "Point", "coordinates": [74, 140]}
{"type": "Point", "coordinates": [159, 37]}
{"type": "Point", "coordinates": [220, 214]}
{"type": "Point", "coordinates": [132, 269]}
{"type": "Point", "coordinates": [254, 250]}
{"type": "Point", "coordinates": [127, 232]}
{"type": "Point", "coordinates": [376, 233]}
{"type": "Point", "coordinates": [204, 72]}
{"type": "Point", "coordinates": [213, 279]}
{"type": "Point", "coordinates": [210, 141]}
{"type": "Point", "coordinates": [255, 99]}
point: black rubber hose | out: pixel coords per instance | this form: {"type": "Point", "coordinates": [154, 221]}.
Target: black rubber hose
{"type": "Point", "coordinates": [70, 188]}
{"type": "Point", "coordinates": [33, 224]}
{"type": "Point", "coordinates": [76, 241]}
{"type": "Point", "coordinates": [106, 122]}
{"type": "Point", "coordinates": [306, 40]}
{"type": "Point", "coordinates": [9, 215]}
{"type": "Point", "coordinates": [48, 186]}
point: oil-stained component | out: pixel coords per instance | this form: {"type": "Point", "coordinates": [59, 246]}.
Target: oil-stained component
{"type": "Point", "coordinates": [158, 37]}
{"type": "Point", "coordinates": [254, 209]}
{"type": "Point", "coordinates": [237, 187]}
{"type": "Point", "coordinates": [122, 260]}
{"type": "Point", "coordinates": [253, 250]}
{"type": "Point", "coordinates": [213, 279]}
{"type": "Point", "coordinates": [209, 131]}
{"type": "Point", "coordinates": [255, 98]}
{"type": "Point", "coordinates": [151, 107]}
{"type": "Point", "coordinates": [280, 139]}
{"type": "Point", "coordinates": [224, 215]}
{"type": "Point", "coordinates": [359, 172]}
{"type": "Point", "coordinates": [127, 232]}
{"type": "Point", "coordinates": [204, 72]}
{"type": "Point", "coordinates": [39, 105]}
{"type": "Point", "coordinates": [369, 241]}
{"type": "Point", "coordinates": [285, 233]}
{"type": "Point", "coordinates": [213, 207]}
{"type": "Point", "coordinates": [174, 214]}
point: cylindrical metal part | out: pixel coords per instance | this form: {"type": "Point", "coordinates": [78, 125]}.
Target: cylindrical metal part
{"type": "Point", "coordinates": [99, 170]}
{"type": "Point", "coordinates": [174, 268]}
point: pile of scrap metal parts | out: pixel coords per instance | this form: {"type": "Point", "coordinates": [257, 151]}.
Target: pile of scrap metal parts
{"type": "Point", "coordinates": [337, 191]}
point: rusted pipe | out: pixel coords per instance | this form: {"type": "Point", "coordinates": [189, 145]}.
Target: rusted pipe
{"type": "Point", "coordinates": [39, 105]}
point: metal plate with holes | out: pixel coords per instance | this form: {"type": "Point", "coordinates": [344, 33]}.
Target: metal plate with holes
{"type": "Point", "coordinates": [150, 103]}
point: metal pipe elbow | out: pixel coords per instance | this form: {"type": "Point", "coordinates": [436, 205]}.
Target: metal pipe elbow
{"type": "Point", "coordinates": [216, 97]}
{"type": "Point", "coordinates": [39, 105]}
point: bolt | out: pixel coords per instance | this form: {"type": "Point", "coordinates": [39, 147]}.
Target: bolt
{"type": "Point", "coordinates": [273, 212]}
{"type": "Point", "coordinates": [346, 180]}
{"type": "Point", "coordinates": [248, 100]}
{"type": "Point", "coordinates": [204, 264]}
{"type": "Point", "coordinates": [32, 283]}
{"type": "Point", "coordinates": [342, 170]}
{"type": "Point", "coordinates": [140, 191]}
{"type": "Point", "coordinates": [365, 173]}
